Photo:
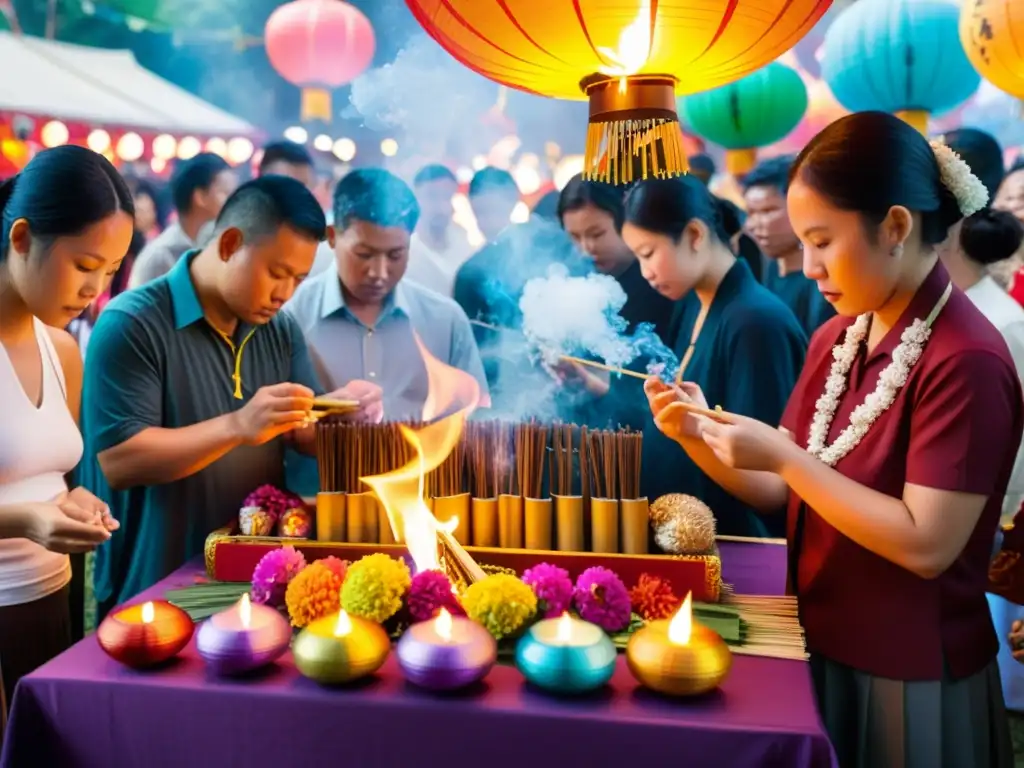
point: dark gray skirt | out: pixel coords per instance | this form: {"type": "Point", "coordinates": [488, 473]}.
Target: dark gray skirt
{"type": "Point", "coordinates": [874, 722]}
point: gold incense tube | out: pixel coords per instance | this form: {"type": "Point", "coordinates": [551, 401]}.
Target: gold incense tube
{"type": "Point", "coordinates": [485, 522]}
{"type": "Point", "coordinates": [510, 521]}
{"type": "Point", "coordinates": [330, 517]}
{"type": "Point", "coordinates": [538, 523]}
{"type": "Point", "coordinates": [362, 518]}
{"type": "Point", "coordinates": [569, 523]}
{"type": "Point", "coordinates": [447, 507]}
{"type": "Point", "coordinates": [604, 525]}
{"type": "Point", "coordinates": [384, 533]}
{"type": "Point", "coordinates": [635, 526]}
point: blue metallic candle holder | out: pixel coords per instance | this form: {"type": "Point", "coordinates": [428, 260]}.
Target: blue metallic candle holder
{"type": "Point", "coordinates": [566, 655]}
{"type": "Point", "coordinates": [245, 637]}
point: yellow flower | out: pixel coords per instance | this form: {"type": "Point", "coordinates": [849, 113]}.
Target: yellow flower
{"type": "Point", "coordinates": [374, 587]}
{"type": "Point", "coordinates": [312, 594]}
{"type": "Point", "coordinates": [502, 603]}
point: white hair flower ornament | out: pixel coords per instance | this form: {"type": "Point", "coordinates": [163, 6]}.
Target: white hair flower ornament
{"type": "Point", "coordinates": [971, 195]}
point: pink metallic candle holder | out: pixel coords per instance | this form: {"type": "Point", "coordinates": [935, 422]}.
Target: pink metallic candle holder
{"type": "Point", "coordinates": [446, 653]}
{"type": "Point", "coordinates": [146, 634]}
{"type": "Point", "coordinates": [245, 637]}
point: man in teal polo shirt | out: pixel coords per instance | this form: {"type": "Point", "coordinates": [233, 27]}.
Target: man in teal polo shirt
{"type": "Point", "coordinates": [194, 383]}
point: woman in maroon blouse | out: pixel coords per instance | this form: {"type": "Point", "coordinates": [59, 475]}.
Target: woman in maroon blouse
{"type": "Point", "coordinates": [892, 458]}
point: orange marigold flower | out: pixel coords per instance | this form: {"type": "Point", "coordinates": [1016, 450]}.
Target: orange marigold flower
{"type": "Point", "coordinates": [314, 593]}
{"type": "Point", "coordinates": [653, 598]}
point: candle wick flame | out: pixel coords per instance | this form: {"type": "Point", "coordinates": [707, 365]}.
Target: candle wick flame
{"type": "Point", "coordinates": [148, 613]}
{"type": "Point", "coordinates": [564, 634]}
{"type": "Point", "coordinates": [443, 625]}
{"type": "Point", "coordinates": [245, 611]}
{"type": "Point", "coordinates": [343, 626]}
{"type": "Point", "coordinates": [681, 626]}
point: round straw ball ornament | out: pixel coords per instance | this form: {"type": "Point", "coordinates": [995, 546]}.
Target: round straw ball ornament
{"type": "Point", "coordinates": [683, 525]}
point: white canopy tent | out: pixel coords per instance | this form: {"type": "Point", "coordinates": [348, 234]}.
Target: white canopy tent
{"type": "Point", "coordinates": [104, 87]}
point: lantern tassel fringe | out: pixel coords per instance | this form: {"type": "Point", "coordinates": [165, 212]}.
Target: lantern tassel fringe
{"type": "Point", "coordinates": [625, 151]}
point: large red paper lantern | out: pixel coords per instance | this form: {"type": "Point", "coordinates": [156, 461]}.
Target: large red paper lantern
{"type": "Point", "coordinates": [319, 45]}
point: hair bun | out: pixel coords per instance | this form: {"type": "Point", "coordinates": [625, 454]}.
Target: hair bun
{"type": "Point", "coordinates": [990, 236]}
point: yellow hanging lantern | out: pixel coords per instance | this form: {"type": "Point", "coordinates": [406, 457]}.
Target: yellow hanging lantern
{"type": "Point", "coordinates": [629, 59]}
{"type": "Point", "coordinates": [989, 31]}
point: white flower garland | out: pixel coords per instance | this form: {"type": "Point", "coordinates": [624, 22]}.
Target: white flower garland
{"type": "Point", "coordinates": [890, 382]}
{"type": "Point", "coordinates": [971, 195]}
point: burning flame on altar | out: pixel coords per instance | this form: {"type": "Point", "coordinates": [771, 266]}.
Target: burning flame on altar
{"type": "Point", "coordinates": [452, 395]}
{"type": "Point", "coordinates": [634, 48]}
{"type": "Point", "coordinates": [681, 626]}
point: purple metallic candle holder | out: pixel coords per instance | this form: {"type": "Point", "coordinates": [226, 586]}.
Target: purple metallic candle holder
{"type": "Point", "coordinates": [446, 653]}
{"type": "Point", "coordinates": [245, 637]}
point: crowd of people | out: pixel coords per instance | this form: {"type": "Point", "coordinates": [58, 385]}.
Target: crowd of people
{"type": "Point", "coordinates": [856, 325]}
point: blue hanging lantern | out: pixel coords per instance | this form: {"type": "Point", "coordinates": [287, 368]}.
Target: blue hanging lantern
{"type": "Point", "coordinates": [899, 56]}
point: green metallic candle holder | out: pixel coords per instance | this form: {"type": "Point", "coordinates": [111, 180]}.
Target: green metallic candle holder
{"type": "Point", "coordinates": [566, 656]}
{"type": "Point", "coordinates": [340, 649]}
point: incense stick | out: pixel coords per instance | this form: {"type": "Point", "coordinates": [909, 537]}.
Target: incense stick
{"type": "Point", "coordinates": [603, 367]}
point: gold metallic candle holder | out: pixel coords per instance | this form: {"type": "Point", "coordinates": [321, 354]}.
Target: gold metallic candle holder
{"type": "Point", "coordinates": [678, 657]}
{"type": "Point", "coordinates": [340, 649]}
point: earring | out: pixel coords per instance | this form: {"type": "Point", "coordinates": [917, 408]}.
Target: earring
{"type": "Point", "coordinates": [897, 250]}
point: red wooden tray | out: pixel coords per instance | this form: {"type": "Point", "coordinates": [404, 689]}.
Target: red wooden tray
{"type": "Point", "coordinates": [232, 557]}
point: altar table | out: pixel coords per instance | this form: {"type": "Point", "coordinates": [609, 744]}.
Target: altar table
{"type": "Point", "coordinates": [83, 710]}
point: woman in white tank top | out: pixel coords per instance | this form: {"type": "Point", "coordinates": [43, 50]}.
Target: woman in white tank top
{"type": "Point", "coordinates": [65, 225]}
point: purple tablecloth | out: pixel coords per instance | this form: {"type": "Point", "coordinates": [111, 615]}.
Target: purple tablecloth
{"type": "Point", "coordinates": [83, 710]}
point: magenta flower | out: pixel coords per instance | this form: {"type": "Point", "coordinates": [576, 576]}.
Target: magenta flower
{"type": "Point", "coordinates": [552, 586]}
{"type": "Point", "coordinates": [272, 500]}
{"type": "Point", "coordinates": [601, 598]}
{"type": "Point", "coordinates": [429, 592]}
{"type": "Point", "coordinates": [272, 573]}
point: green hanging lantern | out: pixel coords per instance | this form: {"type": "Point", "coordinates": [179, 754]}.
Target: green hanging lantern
{"type": "Point", "coordinates": [753, 112]}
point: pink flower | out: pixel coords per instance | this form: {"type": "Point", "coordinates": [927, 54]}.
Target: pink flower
{"type": "Point", "coordinates": [601, 598]}
{"type": "Point", "coordinates": [272, 574]}
{"type": "Point", "coordinates": [552, 586]}
{"type": "Point", "coordinates": [429, 592]}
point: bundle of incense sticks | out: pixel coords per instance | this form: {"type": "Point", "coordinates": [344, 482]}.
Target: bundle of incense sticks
{"type": "Point", "coordinates": [771, 625]}
{"type": "Point", "coordinates": [531, 443]}
{"type": "Point", "coordinates": [602, 463]}
{"type": "Point", "coordinates": [489, 450]}
{"type": "Point", "coordinates": [347, 451]}
{"type": "Point", "coordinates": [562, 459]}
{"type": "Point", "coordinates": [493, 457]}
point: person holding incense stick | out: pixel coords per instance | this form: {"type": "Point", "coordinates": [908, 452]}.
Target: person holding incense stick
{"type": "Point", "coordinates": [193, 381]}
{"type": "Point", "coordinates": [893, 455]}
{"type": "Point", "coordinates": [362, 319]}
{"type": "Point", "coordinates": [733, 337]}
{"type": "Point", "coordinates": [592, 213]}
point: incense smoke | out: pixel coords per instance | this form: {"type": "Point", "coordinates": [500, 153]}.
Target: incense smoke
{"type": "Point", "coordinates": [566, 315]}
{"type": "Point", "coordinates": [579, 316]}
{"type": "Point", "coordinates": [424, 98]}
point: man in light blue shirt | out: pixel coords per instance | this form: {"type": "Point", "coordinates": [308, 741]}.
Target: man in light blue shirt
{"type": "Point", "coordinates": [362, 320]}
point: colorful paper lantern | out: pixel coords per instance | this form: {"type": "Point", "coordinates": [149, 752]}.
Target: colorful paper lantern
{"type": "Point", "coordinates": [753, 112]}
{"type": "Point", "coordinates": [990, 31]}
{"type": "Point", "coordinates": [629, 59]}
{"type": "Point", "coordinates": [319, 45]}
{"type": "Point", "coordinates": [899, 56]}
